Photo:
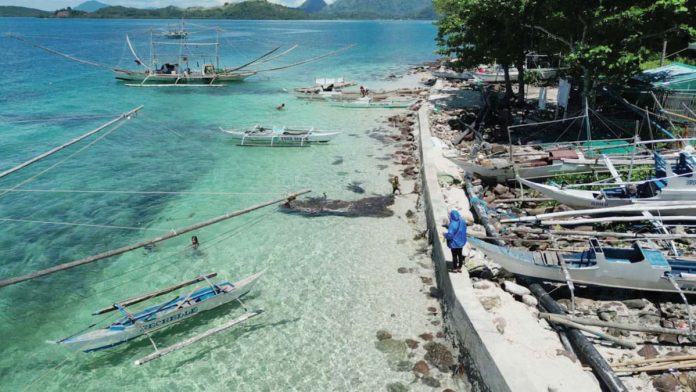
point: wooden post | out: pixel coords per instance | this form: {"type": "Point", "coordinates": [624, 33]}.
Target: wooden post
{"type": "Point", "coordinates": [128, 248]}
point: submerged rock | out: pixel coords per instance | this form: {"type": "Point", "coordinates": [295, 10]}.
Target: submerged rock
{"type": "Point", "coordinates": [397, 387]}
{"type": "Point", "coordinates": [383, 335]}
{"type": "Point", "coordinates": [355, 187]}
{"type": "Point", "coordinates": [412, 344]}
{"type": "Point", "coordinates": [421, 368]}
{"type": "Point", "coordinates": [431, 382]}
{"type": "Point", "coordinates": [374, 206]}
{"type": "Point", "coordinates": [393, 348]}
{"type": "Point", "coordinates": [439, 356]}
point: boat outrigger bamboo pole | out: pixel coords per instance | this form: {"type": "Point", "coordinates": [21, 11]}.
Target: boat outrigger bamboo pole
{"type": "Point", "coordinates": [70, 143]}
{"type": "Point", "coordinates": [128, 248]}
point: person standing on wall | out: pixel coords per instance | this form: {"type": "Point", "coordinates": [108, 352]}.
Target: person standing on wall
{"type": "Point", "coordinates": [456, 239]}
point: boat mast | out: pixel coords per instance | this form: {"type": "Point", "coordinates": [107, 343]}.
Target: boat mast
{"type": "Point", "coordinates": [588, 130]}
{"type": "Point", "coordinates": [217, 49]}
{"type": "Point", "coordinates": [153, 64]}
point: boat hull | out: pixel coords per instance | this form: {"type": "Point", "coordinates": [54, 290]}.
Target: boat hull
{"type": "Point", "coordinates": [503, 174]}
{"type": "Point", "coordinates": [115, 335]}
{"type": "Point", "coordinates": [152, 79]}
{"type": "Point", "coordinates": [290, 137]}
{"type": "Point", "coordinates": [644, 275]}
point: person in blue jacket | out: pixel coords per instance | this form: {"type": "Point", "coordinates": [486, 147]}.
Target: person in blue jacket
{"type": "Point", "coordinates": [456, 239]}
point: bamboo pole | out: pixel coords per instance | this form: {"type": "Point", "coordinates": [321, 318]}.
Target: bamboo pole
{"type": "Point", "coordinates": [70, 143]}
{"type": "Point", "coordinates": [607, 324]}
{"type": "Point", "coordinates": [145, 297]}
{"type": "Point", "coordinates": [594, 234]}
{"type": "Point", "coordinates": [128, 248]}
{"type": "Point", "coordinates": [568, 323]}
{"type": "Point", "coordinates": [657, 206]}
{"type": "Point", "coordinates": [689, 218]}
{"type": "Point", "coordinates": [676, 358]}
{"type": "Point", "coordinates": [178, 346]}
{"type": "Point", "coordinates": [656, 368]}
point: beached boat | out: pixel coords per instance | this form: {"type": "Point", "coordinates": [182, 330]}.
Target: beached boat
{"type": "Point", "coordinates": [153, 318]}
{"type": "Point", "coordinates": [634, 268]}
{"type": "Point", "coordinates": [273, 136]}
{"type": "Point", "coordinates": [368, 103]}
{"type": "Point", "coordinates": [671, 183]}
{"type": "Point", "coordinates": [452, 75]}
{"type": "Point", "coordinates": [318, 93]}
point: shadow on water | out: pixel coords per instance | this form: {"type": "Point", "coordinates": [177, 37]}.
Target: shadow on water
{"type": "Point", "coordinates": [373, 206]}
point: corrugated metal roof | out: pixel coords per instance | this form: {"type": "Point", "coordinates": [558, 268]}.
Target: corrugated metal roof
{"type": "Point", "coordinates": [675, 76]}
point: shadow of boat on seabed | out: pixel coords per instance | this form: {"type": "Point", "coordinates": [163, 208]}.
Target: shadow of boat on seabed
{"type": "Point", "coordinates": [373, 206]}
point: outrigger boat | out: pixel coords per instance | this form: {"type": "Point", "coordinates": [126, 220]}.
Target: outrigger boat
{"type": "Point", "coordinates": [177, 32]}
{"type": "Point", "coordinates": [368, 103]}
{"type": "Point", "coordinates": [634, 268]}
{"type": "Point", "coordinates": [671, 183]}
{"type": "Point", "coordinates": [273, 136]}
{"type": "Point", "coordinates": [153, 318]}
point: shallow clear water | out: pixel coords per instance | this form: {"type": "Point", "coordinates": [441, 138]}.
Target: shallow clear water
{"type": "Point", "coordinates": [331, 282]}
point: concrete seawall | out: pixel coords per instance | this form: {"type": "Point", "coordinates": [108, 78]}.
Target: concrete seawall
{"type": "Point", "coordinates": [490, 361]}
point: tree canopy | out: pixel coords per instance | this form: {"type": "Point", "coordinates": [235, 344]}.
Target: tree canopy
{"type": "Point", "coordinates": [600, 41]}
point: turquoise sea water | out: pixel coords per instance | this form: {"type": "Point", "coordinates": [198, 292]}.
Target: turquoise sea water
{"type": "Point", "coordinates": [331, 282]}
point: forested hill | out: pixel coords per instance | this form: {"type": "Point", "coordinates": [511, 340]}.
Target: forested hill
{"type": "Point", "coordinates": [380, 9]}
{"type": "Point", "coordinates": [253, 9]}
{"type": "Point", "coordinates": [22, 11]}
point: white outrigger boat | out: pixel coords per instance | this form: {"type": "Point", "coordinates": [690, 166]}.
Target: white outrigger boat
{"type": "Point", "coordinates": [369, 103]}
{"type": "Point", "coordinates": [273, 136]}
{"type": "Point", "coordinates": [671, 184]}
{"type": "Point", "coordinates": [634, 268]}
{"type": "Point", "coordinates": [153, 318]}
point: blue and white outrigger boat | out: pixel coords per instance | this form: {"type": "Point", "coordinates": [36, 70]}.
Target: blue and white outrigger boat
{"type": "Point", "coordinates": [634, 268]}
{"type": "Point", "coordinates": [153, 318]}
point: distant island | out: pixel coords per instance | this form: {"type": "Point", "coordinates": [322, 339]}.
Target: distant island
{"type": "Point", "coordinates": [250, 9]}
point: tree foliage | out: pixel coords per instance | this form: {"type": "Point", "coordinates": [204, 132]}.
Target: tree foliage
{"type": "Point", "coordinates": [600, 40]}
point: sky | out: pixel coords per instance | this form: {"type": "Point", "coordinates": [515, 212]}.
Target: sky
{"type": "Point", "coordinates": [51, 5]}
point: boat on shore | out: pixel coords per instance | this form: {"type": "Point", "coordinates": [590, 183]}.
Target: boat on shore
{"type": "Point", "coordinates": [273, 136]}
{"type": "Point", "coordinates": [369, 103]}
{"type": "Point", "coordinates": [153, 318]}
{"type": "Point", "coordinates": [671, 183]}
{"type": "Point", "coordinates": [634, 268]}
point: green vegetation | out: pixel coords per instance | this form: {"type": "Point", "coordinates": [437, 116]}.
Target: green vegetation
{"type": "Point", "coordinates": [12, 11]}
{"type": "Point", "coordinates": [252, 9]}
{"type": "Point", "coordinates": [380, 9]}
{"type": "Point", "coordinates": [599, 41]}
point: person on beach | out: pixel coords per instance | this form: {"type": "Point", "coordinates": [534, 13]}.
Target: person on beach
{"type": "Point", "coordinates": [281, 107]}
{"type": "Point", "coordinates": [363, 92]}
{"type": "Point", "coordinates": [194, 242]}
{"type": "Point", "coordinates": [456, 239]}
{"type": "Point", "coordinates": [395, 185]}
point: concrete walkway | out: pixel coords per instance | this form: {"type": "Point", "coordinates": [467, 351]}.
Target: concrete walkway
{"type": "Point", "coordinates": [507, 347]}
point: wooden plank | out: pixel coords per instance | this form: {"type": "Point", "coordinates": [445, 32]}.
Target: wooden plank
{"type": "Point", "coordinates": [168, 350]}
{"type": "Point", "coordinates": [145, 297]}
{"type": "Point", "coordinates": [128, 248]}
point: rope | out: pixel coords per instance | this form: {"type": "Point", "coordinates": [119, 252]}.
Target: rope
{"type": "Point", "coordinates": [57, 53]}
{"type": "Point", "coordinates": [90, 144]}
{"type": "Point", "coordinates": [335, 52]}
{"type": "Point", "coordinates": [80, 224]}
{"type": "Point", "coordinates": [26, 388]}
{"type": "Point", "coordinates": [136, 192]}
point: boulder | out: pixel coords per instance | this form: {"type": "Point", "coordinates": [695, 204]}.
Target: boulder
{"type": "Point", "coordinates": [638, 303]}
{"type": "Point", "coordinates": [426, 336]}
{"type": "Point", "coordinates": [514, 288]}
{"type": "Point", "coordinates": [481, 285]}
{"type": "Point", "coordinates": [500, 189]}
{"type": "Point", "coordinates": [648, 351]}
{"type": "Point", "coordinates": [665, 383]}
{"type": "Point", "coordinates": [530, 300]}
{"type": "Point", "coordinates": [490, 303]}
